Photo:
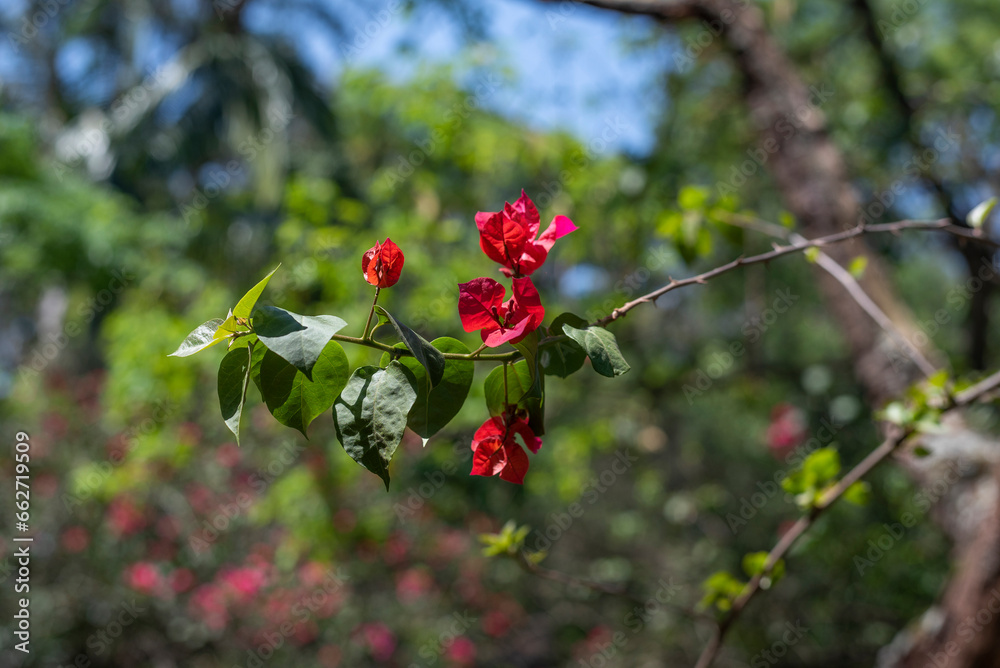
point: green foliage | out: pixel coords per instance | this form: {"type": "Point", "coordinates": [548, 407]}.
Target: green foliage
{"type": "Point", "coordinates": [566, 357]}
{"type": "Point", "coordinates": [721, 589]}
{"type": "Point", "coordinates": [294, 399]}
{"type": "Point", "coordinates": [425, 353]}
{"type": "Point", "coordinates": [234, 377]}
{"type": "Point", "coordinates": [370, 415]}
{"type": "Point", "coordinates": [602, 348]}
{"type": "Point", "coordinates": [299, 339]}
{"type": "Point", "coordinates": [435, 407]}
{"type": "Point", "coordinates": [809, 483]}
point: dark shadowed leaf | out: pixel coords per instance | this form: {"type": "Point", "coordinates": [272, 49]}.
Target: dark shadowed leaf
{"type": "Point", "coordinates": [370, 415]}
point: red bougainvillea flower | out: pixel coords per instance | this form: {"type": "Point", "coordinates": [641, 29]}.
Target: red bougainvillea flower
{"type": "Point", "coordinates": [508, 236]}
{"type": "Point", "coordinates": [382, 264]}
{"type": "Point", "coordinates": [496, 450]}
{"type": "Point", "coordinates": [481, 307]}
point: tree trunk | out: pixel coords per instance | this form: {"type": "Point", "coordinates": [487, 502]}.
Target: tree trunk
{"type": "Point", "coordinates": [963, 630]}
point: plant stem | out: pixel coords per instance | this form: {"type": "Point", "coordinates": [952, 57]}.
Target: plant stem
{"type": "Point", "coordinates": [370, 314]}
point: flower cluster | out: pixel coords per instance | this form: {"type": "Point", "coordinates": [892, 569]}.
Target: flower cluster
{"type": "Point", "coordinates": [509, 237]}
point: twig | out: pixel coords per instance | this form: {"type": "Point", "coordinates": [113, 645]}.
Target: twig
{"type": "Point", "coordinates": [943, 225]}
{"type": "Point", "coordinates": [845, 278]}
{"type": "Point", "coordinates": [874, 458]}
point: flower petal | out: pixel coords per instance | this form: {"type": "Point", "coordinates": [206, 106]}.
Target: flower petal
{"type": "Point", "coordinates": [527, 301]}
{"type": "Point", "coordinates": [521, 428]}
{"type": "Point", "coordinates": [490, 457]}
{"type": "Point", "coordinates": [516, 465]}
{"type": "Point", "coordinates": [476, 301]}
{"type": "Point", "coordinates": [501, 238]}
{"type": "Point", "coordinates": [524, 210]}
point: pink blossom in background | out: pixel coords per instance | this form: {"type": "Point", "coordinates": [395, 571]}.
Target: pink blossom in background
{"type": "Point", "coordinates": [144, 577]}
{"type": "Point", "coordinates": [228, 455]}
{"type": "Point", "coordinates": [329, 656]}
{"type": "Point", "coordinates": [413, 584]}
{"type": "Point", "coordinates": [181, 580]}
{"type": "Point", "coordinates": [461, 651]}
{"type": "Point", "coordinates": [787, 429]}
{"type": "Point", "coordinates": [243, 583]}
{"type": "Point", "coordinates": [124, 518]}
{"type": "Point", "coordinates": [208, 604]}
{"type": "Point", "coordinates": [75, 539]}
{"type": "Point", "coordinates": [380, 640]}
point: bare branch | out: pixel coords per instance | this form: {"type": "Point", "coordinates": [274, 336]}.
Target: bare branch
{"type": "Point", "coordinates": [896, 437]}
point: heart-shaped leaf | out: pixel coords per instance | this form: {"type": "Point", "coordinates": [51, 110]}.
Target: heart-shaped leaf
{"type": "Point", "coordinates": [299, 339]}
{"type": "Point", "coordinates": [202, 337]}
{"type": "Point", "coordinates": [293, 399]}
{"type": "Point", "coordinates": [567, 356]}
{"type": "Point", "coordinates": [425, 353]}
{"type": "Point", "coordinates": [602, 348]}
{"type": "Point", "coordinates": [434, 408]}
{"type": "Point", "coordinates": [234, 376]}
{"type": "Point", "coordinates": [370, 415]}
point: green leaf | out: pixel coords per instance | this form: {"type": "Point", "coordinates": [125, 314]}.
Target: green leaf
{"type": "Point", "coordinates": [822, 466]}
{"type": "Point", "coordinates": [234, 376]}
{"type": "Point", "coordinates": [978, 215]}
{"type": "Point", "coordinates": [721, 589]}
{"type": "Point", "coordinates": [565, 357]}
{"type": "Point", "coordinates": [519, 389]}
{"type": "Point", "coordinates": [602, 348]}
{"type": "Point", "coordinates": [435, 408]}
{"type": "Point", "coordinates": [244, 308]}
{"type": "Point", "coordinates": [202, 337]}
{"type": "Point", "coordinates": [429, 356]}
{"type": "Point", "coordinates": [294, 400]}
{"type": "Point", "coordinates": [858, 266]}
{"type": "Point", "coordinates": [859, 493]}
{"type": "Point", "coordinates": [753, 564]}
{"type": "Point", "coordinates": [299, 339]}
{"type": "Point", "coordinates": [811, 254]}
{"type": "Point", "coordinates": [528, 347]}
{"type": "Point", "coordinates": [370, 415]}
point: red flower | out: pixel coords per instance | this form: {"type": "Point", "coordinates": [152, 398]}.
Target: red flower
{"type": "Point", "coordinates": [382, 264]}
{"type": "Point", "coordinates": [481, 307]}
{"type": "Point", "coordinates": [508, 236]}
{"type": "Point", "coordinates": [496, 451]}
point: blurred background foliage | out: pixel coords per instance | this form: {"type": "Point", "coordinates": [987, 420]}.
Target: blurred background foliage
{"type": "Point", "coordinates": [157, 159]}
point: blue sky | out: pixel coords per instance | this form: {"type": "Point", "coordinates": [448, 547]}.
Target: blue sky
{"type": "Point", "coordinates": [571, 67]}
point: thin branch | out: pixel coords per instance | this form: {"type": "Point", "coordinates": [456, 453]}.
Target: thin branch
{"type": "Point", "coordinates": [778, 552]}
{"type": "Point", "coordinates": [944, 225]}
{"type": "Point", "coordinates": [845, 278]}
